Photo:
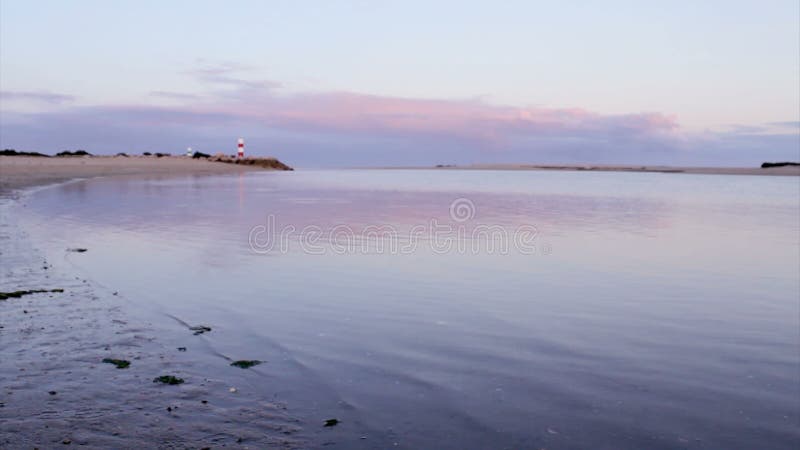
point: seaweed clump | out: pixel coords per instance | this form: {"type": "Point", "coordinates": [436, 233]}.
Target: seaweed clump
{"type": "Point", "coordinates": [245, 363]}
{"type": "Point", "coordinates": [120, 363]}
{"type": "Point", "coordinates": [18, 294]}
{"type": "Point", "coordinates": [168, 379]}
{"type": "Point", "coordinates": [200, 329]}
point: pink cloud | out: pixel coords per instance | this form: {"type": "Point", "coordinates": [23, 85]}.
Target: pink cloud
{"type": "Point", "coordinates": [350, 112]}
{"type": "Point", "coordinates": [262, 102]}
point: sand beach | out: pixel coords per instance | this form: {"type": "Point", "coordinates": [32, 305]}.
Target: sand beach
{"type": "Point", "coordinates": [24, 171]}
{"type": "Point", "coordinates": [55, 388]}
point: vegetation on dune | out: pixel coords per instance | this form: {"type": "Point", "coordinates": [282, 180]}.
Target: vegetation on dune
{"type": "Point", "coordinates": [767, 165]}
{"type": "Point", "coordinates": [266, 163]}
{"type": "Point", "coordinates": [12, 152]}
{"type": "Point", "coordinates": [75, 153]}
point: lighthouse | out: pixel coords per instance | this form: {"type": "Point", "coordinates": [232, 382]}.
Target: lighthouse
{"type": "Point", "coordinates": [241, 148]}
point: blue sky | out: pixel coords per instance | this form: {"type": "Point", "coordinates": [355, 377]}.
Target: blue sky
{"type": "Point", "coordinates": [343, 83]}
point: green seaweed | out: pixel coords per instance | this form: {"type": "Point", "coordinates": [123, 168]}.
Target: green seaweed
{"type": "Point", "coordinates": [200, 329]}
{"type": "Point", "coordinates": [120, 363]}
{"type": "Point", "coordinates": [168, 379]}
{"type": "Point", "coordinates": [331, 422]}
{"type": "Point", "coordinates": [246, 363]}
{"type": "Point", "coordinates": [18, 294]}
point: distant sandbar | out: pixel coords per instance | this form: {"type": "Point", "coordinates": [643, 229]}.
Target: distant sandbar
{"type": "Point", "coordinates": [780, 171]}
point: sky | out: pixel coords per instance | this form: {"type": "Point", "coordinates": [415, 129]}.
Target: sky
{"type": "Point", "coordinates": [365, 83]}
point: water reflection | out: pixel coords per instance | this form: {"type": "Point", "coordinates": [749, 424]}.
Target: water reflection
{"type": "Point", "coordinates": [666, 313]}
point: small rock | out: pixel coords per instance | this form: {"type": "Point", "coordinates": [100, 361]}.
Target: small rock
{"type": "Point", "coordinates": [66, 442]}
{"type": "Point", "coordinates": [331, 422]}
{"type": "Point", "coordinates": [52, 392]}
{"type": "Point", "coordinates": [181, 349]}
{"type": "Point", "coordinates": [233, 389]}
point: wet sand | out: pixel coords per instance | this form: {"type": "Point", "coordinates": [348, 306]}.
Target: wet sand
{"type": "Point", "coordinates": [773, 171]}
{"type": "Point", "coordinates": [55, 390]}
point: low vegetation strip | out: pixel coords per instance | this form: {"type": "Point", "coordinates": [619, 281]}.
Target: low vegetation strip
{"type": "Point", "coordinates": [767, 165]}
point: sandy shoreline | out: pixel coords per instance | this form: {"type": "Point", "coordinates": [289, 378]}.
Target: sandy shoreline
{"type": "Point", "coordinates": [55, 390]}
{"type": "Point", "coordinates": [18, 172]}
{"type": "Point", "coordinates": [772, 171]}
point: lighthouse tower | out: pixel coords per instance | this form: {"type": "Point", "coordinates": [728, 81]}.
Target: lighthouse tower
{"type": "Point", "coordinates": [241, 148]}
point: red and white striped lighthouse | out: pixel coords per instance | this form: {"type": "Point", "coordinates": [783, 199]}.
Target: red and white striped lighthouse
{"type": "Point", "coordinates": [241, 148]}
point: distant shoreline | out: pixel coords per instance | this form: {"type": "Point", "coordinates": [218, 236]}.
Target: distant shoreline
{"type": "Point", "coordinates": [770, 171]}
{"type": "Point", "coordinates": [17, 172]}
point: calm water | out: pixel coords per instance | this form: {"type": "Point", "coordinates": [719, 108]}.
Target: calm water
{"type": "Point", "coordinates": [645, 311]}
